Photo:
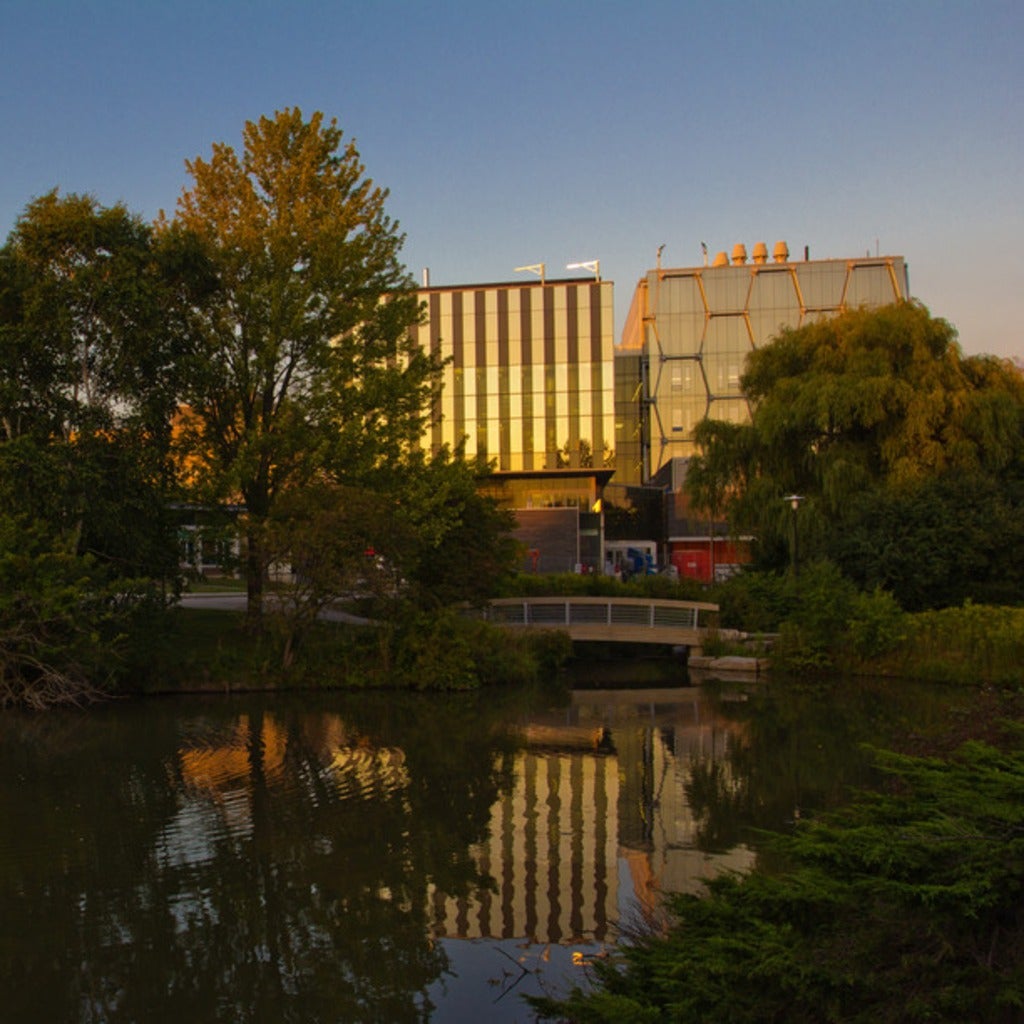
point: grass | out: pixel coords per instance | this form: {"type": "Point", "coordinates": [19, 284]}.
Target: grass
{"type": "Point", "coordinates": [215, 585]}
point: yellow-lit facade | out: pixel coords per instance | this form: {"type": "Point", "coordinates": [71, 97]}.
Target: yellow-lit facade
{"type": "Point", "coordinates": [529, 388]}
{"type": "Point", "coordinates": [690, 329]}
{"type": "Point", "coordinates": [530, 378]}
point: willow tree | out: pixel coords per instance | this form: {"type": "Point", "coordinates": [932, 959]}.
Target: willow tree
{"type": "Point", "coordinates": [304, 362]}
{"type": "Point", "coordinates": [853, 413]}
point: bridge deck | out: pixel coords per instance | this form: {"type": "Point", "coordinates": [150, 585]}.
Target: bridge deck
{"type": "Point", "coordinates": [611, 620]}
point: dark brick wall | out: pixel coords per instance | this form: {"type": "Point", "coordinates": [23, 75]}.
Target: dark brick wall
{"type": "Point", "coordinates": [551, 536]}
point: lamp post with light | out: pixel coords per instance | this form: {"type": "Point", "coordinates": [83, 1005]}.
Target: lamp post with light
{"type": "Point", "coordinates": [794, 503]}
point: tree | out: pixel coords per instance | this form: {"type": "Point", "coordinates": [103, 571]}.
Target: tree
{"type": "Point", "coordinates": [849, 412]}
{"type": "Point", "coordinates": [84, 338]}
{"type": "Point", "coordinates": [340, 542]}
{"type": "Point", "coordinates": [418, 535]}
{"type": "Point", "coordinates": [304, 360]}
{"type": "Point", "coordinates": [940, 542]}
{"type": "Point", "coordinates": [464, 548]}
{"type": "Point", "coordinates": [90, 356]}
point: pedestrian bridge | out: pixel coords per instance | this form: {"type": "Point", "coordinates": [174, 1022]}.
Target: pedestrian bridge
{"type": "Point", "coordinates": [621, 620]}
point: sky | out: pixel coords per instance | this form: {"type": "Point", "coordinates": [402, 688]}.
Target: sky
{"type": "Point", "coordinates": [520, 133]}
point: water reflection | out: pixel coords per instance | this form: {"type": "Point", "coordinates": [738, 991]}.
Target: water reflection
{"type": "Point", "coordinates": [597, 823]}
{"type": "Point", "coordinates": [384, 857]}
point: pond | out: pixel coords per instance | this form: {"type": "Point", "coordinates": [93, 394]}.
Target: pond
{"type": "Point", "coordinates": [387, 857]}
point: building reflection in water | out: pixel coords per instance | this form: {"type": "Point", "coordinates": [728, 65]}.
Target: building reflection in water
{"type": "Point", "coordinates": [595, 827]}
{"type": "Point", "coordinates": [598, 824]}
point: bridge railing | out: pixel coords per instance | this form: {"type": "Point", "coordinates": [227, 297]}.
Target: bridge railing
{"type": "Point", "coordinates": [622, 611]}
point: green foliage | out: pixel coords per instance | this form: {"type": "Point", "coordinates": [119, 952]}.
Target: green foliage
{"type": "Point", "coordinates": [909, 455]}
{"type": "Point", "coordinates": [419, 537]}
{"type": "Point", "coordinates": [820, 605]}
{"type": "Point", "coordinates": [877, 625]}
{"type": "Point", "coordinates": [905, 906]}
{"type": "Point", "coordinates": [337, 542]}
{"type": "Point", "coordinates": [434, 653]}
{"type": "Point", "coordinates": [464, 550]}
{"type": "Point", "coordinates": [823, 621]}
{"type": "Point", "coordinates": [444, 650]}
{"type": "Point", "coordinates": [304, 364]}
{"type": "Point", "coordinates": [972, 645]}
{"type": "Point", "coordinates": [91, 360]}
{"type": "Point", "coordinates": [213, 650]}
{"type": "Point", "coordinates": [752, 601]}
{"type": "Point", "coordinates": [938, 542]}
{"type": "Point", "coordinates": [86, 339]}
{"type": "Point", "coordinates": [63, 621]}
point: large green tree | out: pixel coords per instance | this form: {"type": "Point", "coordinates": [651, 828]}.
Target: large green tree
{"type": "Point", "coordinates": [304, 361]}
{"type": "Point", "coordinates": [89, 359]}
{"type": "Point", "coordinates": [90, 356]}
{"type": "Point", "coordinates": [859, 414]}
{"type": "Point", "coordinates": [84, 336]}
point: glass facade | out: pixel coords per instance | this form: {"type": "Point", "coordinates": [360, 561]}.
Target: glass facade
{"type": "Point", "coordinates": [690, 330]}
{"type": "Point", "coordinates": [529, 382]}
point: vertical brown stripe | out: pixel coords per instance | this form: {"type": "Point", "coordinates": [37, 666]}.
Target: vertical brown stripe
{"type": "Point", "coordinates": [551, 440]}
{"type": "Point", "coordinates": [526, 299]}
{"type": "Point", "coordinates": [596, 324]}
{"type": "Point", "coordinates": [601, 865]}
{"type": "Point", "coordinates": [433, 327]}
{"type": "Point", "coordinates": [576, 895]}
{"type": "Point", "coordinates": [553, 831]}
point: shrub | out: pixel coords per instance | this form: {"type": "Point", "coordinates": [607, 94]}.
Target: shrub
{"type": "Point", "coordinates": [905, 906]}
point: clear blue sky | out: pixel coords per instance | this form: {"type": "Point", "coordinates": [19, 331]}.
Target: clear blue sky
{"type": "Point", "coordinates": [530, 132]}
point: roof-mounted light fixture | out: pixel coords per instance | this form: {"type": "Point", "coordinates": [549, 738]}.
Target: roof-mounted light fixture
{"type": "Point", "coordinates": [533, 268]}
{"type": "Point", "coordinates": [594, 266]}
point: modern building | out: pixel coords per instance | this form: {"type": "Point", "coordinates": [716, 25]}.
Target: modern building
{"type": "Point", "coordinates": [686, 338]}
{"type": "Point", "coordinates": [529, 387]}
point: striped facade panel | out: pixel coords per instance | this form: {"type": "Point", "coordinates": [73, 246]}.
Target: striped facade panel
{"type": "Point", "coordinates": [530, 382]}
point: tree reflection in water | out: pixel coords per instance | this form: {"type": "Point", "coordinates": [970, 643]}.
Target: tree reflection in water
{"type": "Point", "coordinates": [252, 859]}
{"type": "Point", "coordinates": [239, 864]}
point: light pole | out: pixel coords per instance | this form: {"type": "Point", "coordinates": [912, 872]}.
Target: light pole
{"type": "Point", "coordinates": [794, 503]}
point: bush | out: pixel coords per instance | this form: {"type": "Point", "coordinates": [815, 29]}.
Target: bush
{"type": "Point", "coordinates": [903, 907]}
{"type": "Point", "coordinates": [64, 622]}
{"type": "Point", "coordinates": [877, 625]}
